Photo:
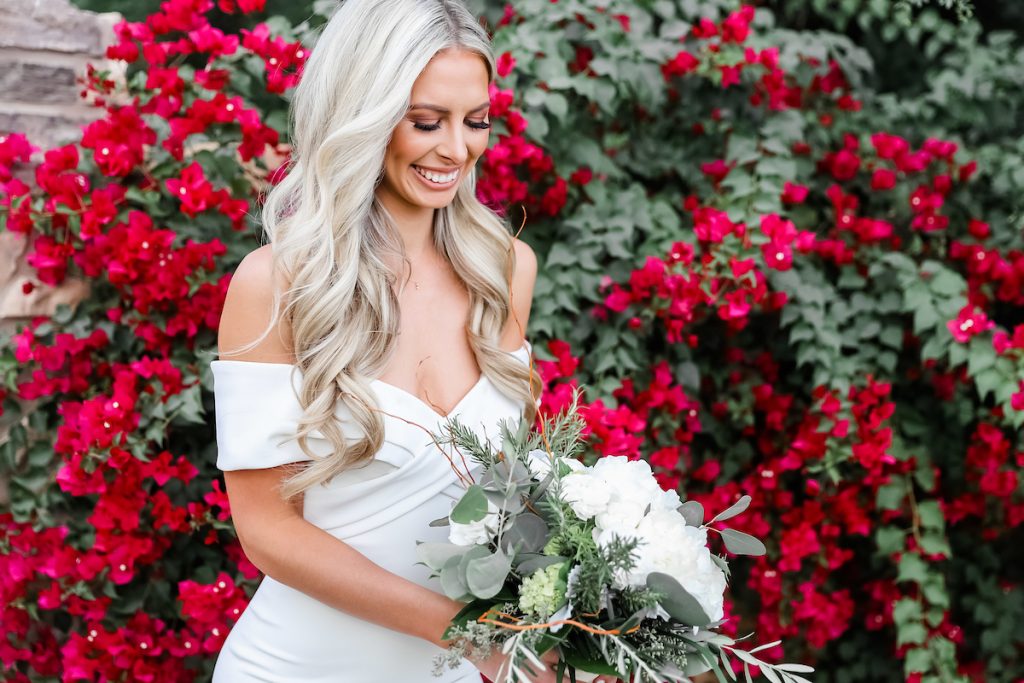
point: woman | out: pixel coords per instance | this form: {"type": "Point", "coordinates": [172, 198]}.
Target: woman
{"type": "Point", "coordinates": [333, 370]}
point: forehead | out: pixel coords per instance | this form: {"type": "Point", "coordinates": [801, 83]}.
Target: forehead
{"type": "Point", "coordinates": [452, 78]}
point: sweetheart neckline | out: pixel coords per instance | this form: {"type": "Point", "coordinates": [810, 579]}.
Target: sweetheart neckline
{"type": "Point", "coordinates": [420, 401]}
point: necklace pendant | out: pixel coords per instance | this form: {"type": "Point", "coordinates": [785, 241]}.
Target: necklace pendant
{"type": "Point", "coordinates": [416, 283]}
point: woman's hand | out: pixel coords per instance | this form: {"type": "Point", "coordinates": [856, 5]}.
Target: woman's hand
{"type": "Point", "coordinates": [496, 668]}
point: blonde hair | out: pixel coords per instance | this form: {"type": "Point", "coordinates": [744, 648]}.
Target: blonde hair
{"type": "Point", "coordinates": [330, 233]}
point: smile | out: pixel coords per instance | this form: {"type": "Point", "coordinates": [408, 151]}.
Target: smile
{"type": "Point", "coordinates": [437, 180]}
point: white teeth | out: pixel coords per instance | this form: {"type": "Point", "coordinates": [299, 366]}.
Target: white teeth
{"type": "Point", "coordinates": [437, 177]}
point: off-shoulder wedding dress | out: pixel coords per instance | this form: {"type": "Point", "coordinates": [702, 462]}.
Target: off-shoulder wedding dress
{"type": "Point", "coordinates": [381, 510]}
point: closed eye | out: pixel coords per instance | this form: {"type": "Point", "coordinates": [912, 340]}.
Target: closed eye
{"type": "Point", "coordinates": [479, 125]}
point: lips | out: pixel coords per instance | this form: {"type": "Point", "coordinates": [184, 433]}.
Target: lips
{"type": "Point", "coordinates": [442, 171]}
{"type": "Point", "coordinates": [431, 182]}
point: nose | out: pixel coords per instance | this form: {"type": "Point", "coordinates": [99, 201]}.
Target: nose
{"type": "Point", "coordinates": [453, 147]}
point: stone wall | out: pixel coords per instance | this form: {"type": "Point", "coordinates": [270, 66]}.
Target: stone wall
{"type": "Point", "coordinates": [44, 47]}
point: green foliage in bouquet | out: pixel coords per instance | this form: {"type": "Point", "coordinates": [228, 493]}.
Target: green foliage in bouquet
{"type": "Point", "coordinates": [526, 558]}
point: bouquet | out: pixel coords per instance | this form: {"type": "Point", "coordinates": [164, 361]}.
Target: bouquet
{"type": "Point", "coordinates": [597, 561]}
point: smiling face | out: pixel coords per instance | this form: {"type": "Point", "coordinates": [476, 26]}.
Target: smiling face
{"type": "Point", "coordinates": [441, 137]}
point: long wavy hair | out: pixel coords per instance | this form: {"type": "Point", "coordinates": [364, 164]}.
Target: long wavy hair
{"type": "Point", "coordinates": [330, 234]}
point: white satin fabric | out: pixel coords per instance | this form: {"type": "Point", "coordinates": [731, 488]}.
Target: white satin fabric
{"type": "Point", "coordinates": [381, 510]}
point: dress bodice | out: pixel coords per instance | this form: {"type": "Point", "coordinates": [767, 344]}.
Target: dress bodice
{"type": "Point", "coordinates": [257, 414]}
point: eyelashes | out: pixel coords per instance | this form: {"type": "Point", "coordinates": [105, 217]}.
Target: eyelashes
{"type": "Point", "coordinates": [482, 125]}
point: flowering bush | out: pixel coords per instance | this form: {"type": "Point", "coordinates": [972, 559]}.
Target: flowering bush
{"type": "Point", "coordinates": [771, 278]}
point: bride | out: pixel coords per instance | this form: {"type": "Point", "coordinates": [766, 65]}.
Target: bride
{"type": "Point", "coordinates": [387, 299]}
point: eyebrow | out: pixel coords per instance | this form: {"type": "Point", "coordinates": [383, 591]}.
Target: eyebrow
{"type": "Point", "coordinates": [442, 110]}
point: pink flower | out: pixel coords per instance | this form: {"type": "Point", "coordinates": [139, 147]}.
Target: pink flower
{"type": "Point", "coordinates": [793, 194]}
{"type": "Point", "coordinates": [683, 63]}
{"type": "Point", "coordinates": [883, 179]}
{"type": "Point", "coordinates": [716, 170]}
{"type": "Point", "coordinates": [506, 62]}
{"type": "Point", "coordinates": [1017, 400]}
{"type": "Point", "coordinates": [969, 323]}
{"type": "Point", "coordinates": [193, 190]}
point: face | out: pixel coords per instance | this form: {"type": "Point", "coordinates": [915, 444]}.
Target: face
{"type": "Point", "coordinates": [441, 137]}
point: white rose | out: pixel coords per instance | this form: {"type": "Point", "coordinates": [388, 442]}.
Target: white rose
{"type": "Point", "coordinates": [586, 494]}
{"type": "Point", "coordinates": [479, 532]}
{"type": "Point", "coordinates": [671, 547]}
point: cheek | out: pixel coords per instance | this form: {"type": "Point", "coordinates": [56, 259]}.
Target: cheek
{"type": "Point", "coordinates": [477, 149]}
{"type": "Point", "coordinates": [405, 148]}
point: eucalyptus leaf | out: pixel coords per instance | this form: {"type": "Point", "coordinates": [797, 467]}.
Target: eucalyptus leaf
{"type": "Point", "coordinates": [472, 507]}
{"type": "Point", "coordinates": [739, 543]}
{"type": "Point", "coordinates": [677, 601]}
{"type": "Point", "coordinates": [486, 575]}
{"type": "Point", "coordinates": [436, 555]}
{"type": "Point", "coordinates": [736, 508]}
{"type": "Point", "coordinates": [452, 582]}
{"type": "Point", "coordinates": [528, 533]}
{"type": "Point", "coordinates": [692, 512]}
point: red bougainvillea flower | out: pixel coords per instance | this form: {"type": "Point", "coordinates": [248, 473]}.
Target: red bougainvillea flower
{"type": "Point", "coordinates": [194, 191]}
{"type": "Point", "coordinates": [969, 323]}
{"type": "Point", "coordinates": [716, 170]}
{"type": "Point", "coordinates": [1017, 400]}
{"type": "Point", "coordinates": [118, 140]}
{"type": "Point", "coordinates": [244, 6]}
{"type": "Point", "coordinates": [793, 193]}
{"type": "Point", "coordinates": [506, 62]}
{"type": "Point", "coordinates": [683, 63]}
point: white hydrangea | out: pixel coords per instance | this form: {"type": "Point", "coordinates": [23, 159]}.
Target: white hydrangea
{"type": "Point", "coordinates": [634, 481]}
{"type": "Point", "coordinates": [586, 494]}
{"type": "Point", "coordinates": [479, 532]}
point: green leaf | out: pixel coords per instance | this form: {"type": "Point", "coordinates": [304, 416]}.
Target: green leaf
{"type": "Point", "coordinates": [736, 508]}
{"type": "Point", "coordinates": [947, 282]}
{"type": "Point", "coordinates": [912, 633]}
{"type": "Point", "coordinates": [905, 610]}
{"type": "Point", "coordinates": [930, 514]}
{"type": "Point", "coordinates": [677, 601]}
{"type": "Point", "coordinates": [912, 568]}
{"type": "Point", "coordinates": [472, 507]}
{"type": "Point", "coordinates": [889, 540]}
{"type": "Point", "coordinates": [739, 543]}
{"type": "Point", "coordinates": [891, 495]}
{"type": "Point", "coordinates": [485, 576]}
{"type": "Point", "coordinates": [451, 579]}
{"type": "Point", "coordinates": [436, 555]}
{"type": "Point", "coordinates": [528, 533]}
{"type": "Point", "coordinates": [692, 512]}
{"type": "Point", "coordinates": [528, 563]}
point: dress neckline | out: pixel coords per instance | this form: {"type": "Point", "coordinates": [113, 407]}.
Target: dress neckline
{"type": "Point", "coordinates": [413, 397]}
{"type": "Point", "coordinates": [481, 380]}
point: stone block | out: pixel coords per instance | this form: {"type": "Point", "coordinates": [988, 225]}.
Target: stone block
{"type": "Point", "coordinates": [22, 81]}
{"type": "Point", "coordinates": [43, 299]}
{"type": "Point", "coordinates": [52, 25]}
{"type": "Point", "coordinates": [47, 131]}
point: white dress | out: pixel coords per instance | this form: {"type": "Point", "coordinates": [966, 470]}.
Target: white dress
{"type": "Point", "coordinates": [381, 510]}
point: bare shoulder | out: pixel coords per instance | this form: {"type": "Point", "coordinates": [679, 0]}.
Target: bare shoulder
{"type": "Point", "coordinates": [248, 309]}
{"type": "Point", "coordinates": [523, 280]}
{"type": "Point", "coordinates": [526, 263]}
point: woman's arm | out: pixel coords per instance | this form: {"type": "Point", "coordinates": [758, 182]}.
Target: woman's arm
{"type": "Point", "coordinates": [273, 533]}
